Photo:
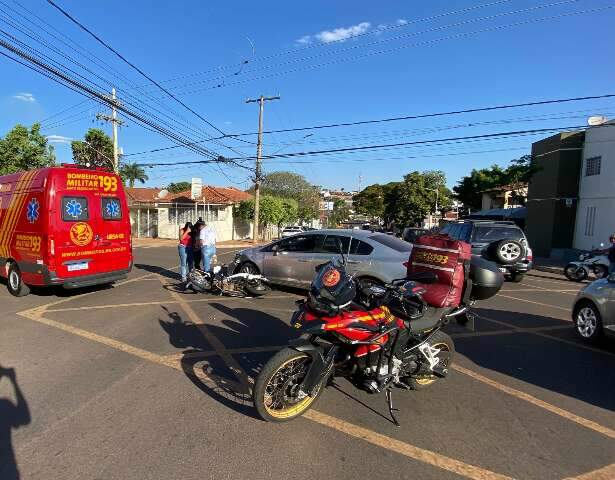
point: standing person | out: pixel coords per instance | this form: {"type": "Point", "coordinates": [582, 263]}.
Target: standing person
{"type": "Point", "coordinates": [196, 244]}
{"type": "Point", "coordinates": [185, 251]}
{"type": "Point", "coordinates": [208, 245]}
{"type": "Point", "coordinates": [611, 254]}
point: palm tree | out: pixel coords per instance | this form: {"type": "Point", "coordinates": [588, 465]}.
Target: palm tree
{"type": "Point", "coordinates": [133, 172]}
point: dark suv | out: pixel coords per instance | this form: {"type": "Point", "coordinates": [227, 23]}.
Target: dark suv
{"type": "Point", "coordinates": [501, 242]}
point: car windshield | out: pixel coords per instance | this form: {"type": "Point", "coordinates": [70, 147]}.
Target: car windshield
{"type": "Point", "coordinates": [391, 242]}
{"type": "Point", "coordinates": [486, 234]}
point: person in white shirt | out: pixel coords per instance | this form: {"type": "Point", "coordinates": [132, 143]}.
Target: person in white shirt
{"type": "Point", "coordinates": [207, 237]}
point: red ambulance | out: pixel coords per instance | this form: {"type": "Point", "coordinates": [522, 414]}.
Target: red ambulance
{"type": "Point", "coordinates": [63, 226]}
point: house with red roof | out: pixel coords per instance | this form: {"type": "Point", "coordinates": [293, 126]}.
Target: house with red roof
{"type": "Point", "coordinates": [157, 213]}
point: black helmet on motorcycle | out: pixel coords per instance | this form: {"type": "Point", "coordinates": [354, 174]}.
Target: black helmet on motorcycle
{"type": "Point", "coordinates": [331, 289]}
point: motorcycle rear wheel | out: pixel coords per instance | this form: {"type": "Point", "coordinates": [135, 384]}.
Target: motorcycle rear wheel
{"type": "Point", "coordinates": [575, 273]}
{"type": "Point", "coordinates": [275, 392]}
{"type": "Point", "coordinates": [447, 350]}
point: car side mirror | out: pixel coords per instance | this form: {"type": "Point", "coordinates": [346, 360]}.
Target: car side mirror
{"type": "Point", "coordinates": [611, 278]}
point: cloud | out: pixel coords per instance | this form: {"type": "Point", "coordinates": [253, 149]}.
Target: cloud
{"type": "Point", "coordinates": [58, 139]}
{"type": "Point", "coordinates": [401, 21]}
{"type": "Point", "coordinates": [342, 34]}
{"type": "Point", "coordinates": [336, 35]}
{"type": "Point", "coordinates": [25, 97]}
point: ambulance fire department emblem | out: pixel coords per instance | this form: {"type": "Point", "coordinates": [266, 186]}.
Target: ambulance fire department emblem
{"type": "Point", "coordinates": [81, 234]}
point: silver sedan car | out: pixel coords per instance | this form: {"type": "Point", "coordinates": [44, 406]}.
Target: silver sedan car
{"type": "Point", "coordinates": [594, 310]}
{"type": "Point", "coordinates": [372, 257]}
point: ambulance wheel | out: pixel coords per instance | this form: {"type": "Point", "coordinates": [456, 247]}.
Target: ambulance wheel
{"type": "Point", "coordinates": [15, 283]}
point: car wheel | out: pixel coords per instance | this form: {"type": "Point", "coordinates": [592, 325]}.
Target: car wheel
{"type": "Point", "coordinates": [15, 284]}
{"type": "Point", "coordinates": [507, 252]}
{"type": "Point", "coordinates": [587, 322]}
{"type": "Point", "coordinates": [249, 267]}
{"type": "Point", "coordinates": [516, 277]}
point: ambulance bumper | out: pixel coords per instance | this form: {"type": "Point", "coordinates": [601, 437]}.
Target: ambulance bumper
{"type": "Point", "coordinates": [86, 280]}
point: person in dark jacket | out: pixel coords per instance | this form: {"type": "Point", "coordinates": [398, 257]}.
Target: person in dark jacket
{"type": "Point", "coordinates": [611, 254]}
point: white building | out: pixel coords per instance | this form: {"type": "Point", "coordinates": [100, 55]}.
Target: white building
{"type": "Point", "coordinates": [596, 205]}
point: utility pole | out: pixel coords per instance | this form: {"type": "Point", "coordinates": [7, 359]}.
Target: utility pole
{"type": "Point", "coordinates": [259, 155]}
{"type": "Point", "coordinates": [114, 122]}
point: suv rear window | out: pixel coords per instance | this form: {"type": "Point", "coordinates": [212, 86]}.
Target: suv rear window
{"type": "Point", "coordinates": [485, 234]}
{"type": "Point", "coordinates": [75, 209]}
{"type": "Point", "coordinates": [391, 242]}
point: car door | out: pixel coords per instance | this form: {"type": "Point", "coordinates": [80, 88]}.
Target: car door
{"type": "Point", "coordinates": [290, 261]}
{"type": "Point", "coordinates": [328, 248]}
{"type": "Point", "coordinates": [359, 256]}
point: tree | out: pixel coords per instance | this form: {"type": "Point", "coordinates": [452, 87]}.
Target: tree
{"type": "Point", "coordinates": [95, 151]}
{"type": "Point", "coordinates": [407, 203]}
{"type": "Point", "coordinates": [370, 201]}
{"type": "Point", "coordinates": [469, 190]}
{"type": "Point", "coordinates": [132, 172]}
{"type": "Point", "coordinates": [179, 187]}
{"type": "Point", "coordinates": [23, 149]}
{"type": "Point", "coordinates": [339, 214]}
{"type": "Point", "coordinates": [294, 186]}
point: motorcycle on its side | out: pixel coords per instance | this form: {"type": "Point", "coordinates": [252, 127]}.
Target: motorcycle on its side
{"type": "Point", "coordinates": [591, 262]}
{"type": "Point", "coordinates": [384, 338]}
{"type": "Point", "coordinates": [223, 280]}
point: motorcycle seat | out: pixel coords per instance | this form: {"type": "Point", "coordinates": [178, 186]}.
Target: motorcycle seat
{"type": "Point", "coordinates": [429, 320]}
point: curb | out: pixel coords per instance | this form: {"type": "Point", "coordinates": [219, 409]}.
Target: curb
{"type": "Point", "coordinates": [546, 269]}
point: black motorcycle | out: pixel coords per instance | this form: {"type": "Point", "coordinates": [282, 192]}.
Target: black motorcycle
{"type": "Point", "coordinates": [224, 280]}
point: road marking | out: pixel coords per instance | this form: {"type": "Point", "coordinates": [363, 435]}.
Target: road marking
{"type": "Point", "coordinates": [218, 346]}
{"type": "Point", "coordinates": [543, 280]}
{"type": "Point", "coordinates": [233, 351]}
{"type": "Point", "coordinates": [403, 448]}
{"type": "Point", "coordinates": [604, 473]}
{"type": "Point", "coordinates": [537, 402]}
{"type": "Point", "coordinates": [141, 304]}
{"type": "Point", "coordinates": [539, 288]}
{"type": "Point", "coordinates": [536, 287]}
{"type": "Point", "coordinates": [534, 303]}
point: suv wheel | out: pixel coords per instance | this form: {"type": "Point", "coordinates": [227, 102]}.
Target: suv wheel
{"type": "Point", "coordinates": [507, 251]}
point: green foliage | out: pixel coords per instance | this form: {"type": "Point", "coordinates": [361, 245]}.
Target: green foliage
{"type": "Point", "coordinates": [469, 189]}
{"type": "Point", "coordinates": [22, 149]}
{"type": "Point", "coordinates": [131, 172]}
{"type": "Point", "coordinates": [179, 187]}
{"type": "Point", "coordinates": [95, 151]}
{"type": "Point", "coordinates": [340, 213]}
{"type": "Point", "coordinates": [370, 201]}
{"type": "Point", "coordinates": [273, 210]}
{"type": "Point", "coordinates": [293, 186]}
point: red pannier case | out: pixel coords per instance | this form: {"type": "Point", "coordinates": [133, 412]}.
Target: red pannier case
{"type": "Point", "coordinates": [446, 258]}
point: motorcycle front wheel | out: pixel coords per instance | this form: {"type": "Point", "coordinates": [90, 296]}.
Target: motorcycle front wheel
{"type": "Point", "coordinates": [257, 290]}
{"type": "Point", "coordinates": [575, 273]}
{"type": "Point", "coordinates": [276, 392]}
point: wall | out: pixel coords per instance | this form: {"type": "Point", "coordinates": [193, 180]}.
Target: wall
{"type": "Point", "coordinates": [550, 219]}
{"type": "Point", "coordinates": [597, 192]}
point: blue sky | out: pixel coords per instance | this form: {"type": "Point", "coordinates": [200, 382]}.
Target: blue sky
{"type": "Point", "coordinates": [331, 62]}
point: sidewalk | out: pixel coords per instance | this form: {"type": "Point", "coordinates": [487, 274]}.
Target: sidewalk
{"type": "Point", "coordinates": [164, 242]}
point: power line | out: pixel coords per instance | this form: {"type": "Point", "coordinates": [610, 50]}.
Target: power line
{"type": "Point", "coordinates": [402, 144]}
{"type": "Point", "coordinates": [396, 119]}
{"type": "Point", "coordinates": [109, 47]}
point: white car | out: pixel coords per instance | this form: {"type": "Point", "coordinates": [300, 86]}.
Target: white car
{"type": "Point", "coordinates": [290, 231]}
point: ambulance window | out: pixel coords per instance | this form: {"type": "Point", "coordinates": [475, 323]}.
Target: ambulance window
{"type": "Point", "coordinates": [75, 209]}
{"type": "Point", "coordinates": [111, 208]}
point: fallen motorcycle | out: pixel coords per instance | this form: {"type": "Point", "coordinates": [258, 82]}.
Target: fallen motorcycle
{"type": "Point", "coordinates": [594, 262]}
{"type": "Point", "coordinates": [222, 282]}
{"type": "Point", "coordinates": [383, 338]}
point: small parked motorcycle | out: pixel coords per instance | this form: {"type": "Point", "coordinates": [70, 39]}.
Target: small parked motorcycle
{"type": "Point", "coordinates": [595, 262]}
{"type": "Point", "coordinates": [223, 280]}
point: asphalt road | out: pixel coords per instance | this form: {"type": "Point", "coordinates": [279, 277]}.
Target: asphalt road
{"type": "Point", "coordinates": [139, 381]}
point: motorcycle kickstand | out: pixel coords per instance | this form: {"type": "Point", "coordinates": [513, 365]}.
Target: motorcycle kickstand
{"type": "Point", "coordinates": [391, 409]}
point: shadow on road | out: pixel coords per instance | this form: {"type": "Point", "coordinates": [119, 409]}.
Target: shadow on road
{"type": "Point", "coordinates": [557, 366]}
{"type": "Point", "coordinates": [206, 367]}
{"type": "Point", "coordinates": [12, 416]}
{"type": "Point", "coordinates": [158, 270]}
